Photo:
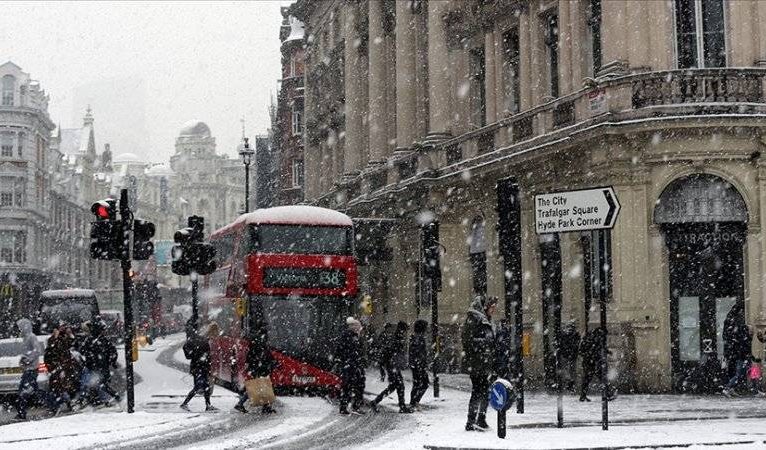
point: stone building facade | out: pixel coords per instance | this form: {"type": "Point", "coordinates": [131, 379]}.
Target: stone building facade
{"type": "Point", "coordinates": [45, 184]}
{"type": "Point", "coordinates": [288, 130]}
{"type": "Point", "coordinates": [417, 108]}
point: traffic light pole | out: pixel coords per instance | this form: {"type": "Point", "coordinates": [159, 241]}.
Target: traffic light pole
{"type": "Point", "coordinates": [195, 302]}
{"type": "Point", "coordinates": [127, 288]}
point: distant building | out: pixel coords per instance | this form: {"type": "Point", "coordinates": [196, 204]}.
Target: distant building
{"type": "Point", "coordinates": [45, 181]}
{"type": "Point", "coordinates": [289, 127]}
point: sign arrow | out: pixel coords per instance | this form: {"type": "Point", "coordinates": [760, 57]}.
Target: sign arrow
{"type": "Point", "coordinates": [579, 210]}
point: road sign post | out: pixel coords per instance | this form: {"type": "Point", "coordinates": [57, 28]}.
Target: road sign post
{"type": "Point", "coordinates": [595, 210]}
{"type": "Point", "coordinates": [501, 397]}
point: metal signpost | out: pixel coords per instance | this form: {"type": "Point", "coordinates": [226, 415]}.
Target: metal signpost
{"type": "Point", "coordinates": [596, 210]}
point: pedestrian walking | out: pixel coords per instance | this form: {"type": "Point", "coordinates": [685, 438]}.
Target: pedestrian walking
{"type": "Point", "coordinates": [377, 349]}
{"type": "Point", "coordinates": [99, 357]}
{"type": "Point", "coordinates": [63, 371]}
{"type": "Point", "coordinates": [28, 388]}
{"type": "Point", "coordinates": [740, 353]}
{"type": "Point", "coordinates": [590, 353]}
{"type": "Point", "coordinates": [394, 359]}
{"type": "Point", "coordinates": [419, 362]}
{"type": "Point", "coordinates": [569, 346]}
{"type": "Point", "coordinates": [260, 363]}
{"type": "Point", "coordinates": [479, 348]}
{"type": "Point", "coordinates": [731, 326]}
{"type": "Point", "coordinates": [350, 362]}
{"type": "Point", "coordinates": [197, 351]}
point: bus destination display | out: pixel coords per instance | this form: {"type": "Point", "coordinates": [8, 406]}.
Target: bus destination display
{"type": "Point", "coordinates": [292, 277]}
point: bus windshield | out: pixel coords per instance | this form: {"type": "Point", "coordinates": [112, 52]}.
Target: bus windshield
{"type": "Point", "coordinates": [304, 327]}
{"type": "Point", "coordinates": [303, 239]}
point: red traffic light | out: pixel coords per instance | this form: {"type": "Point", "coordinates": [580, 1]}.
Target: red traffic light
{"type": "Point", "coordinates": [105, 209]}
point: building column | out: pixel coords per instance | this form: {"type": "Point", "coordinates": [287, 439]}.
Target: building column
{"type": "Point", "coordinates": [525, 61]}
{"type": "Point", "coordinates": [438, 73]}
{"type": "Point", "coordinates": [352, 149]}
{"type": "Point", "coordinates": [761, 20]}
{"type": "Point", "coordinates": [406, 100]}
{"type": "Point", "coordinates": [614, 48]}
{"type": "Point", "coordinates": [377, 85]}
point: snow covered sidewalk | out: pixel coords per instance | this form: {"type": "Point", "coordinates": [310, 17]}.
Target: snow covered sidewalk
{"type": "Point", "coordinates": [635, 421]}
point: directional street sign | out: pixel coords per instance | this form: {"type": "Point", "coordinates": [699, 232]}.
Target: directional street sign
{"type": "Point", "coordinates": [587, 209]}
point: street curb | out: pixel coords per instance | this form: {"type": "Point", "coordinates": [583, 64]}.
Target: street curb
{"type": "Point", "coordinates": [617, 447]}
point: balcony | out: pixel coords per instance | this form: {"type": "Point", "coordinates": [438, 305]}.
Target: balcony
{"type": "Point", "coordinates": [664, 95]}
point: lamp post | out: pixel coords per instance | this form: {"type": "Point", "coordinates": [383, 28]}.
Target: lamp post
{"type": "Point", "coordinates": [247, 156]}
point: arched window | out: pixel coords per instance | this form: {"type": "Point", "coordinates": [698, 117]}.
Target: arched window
{"type": "Point", "coordinates": [477, 253]}
{"type": "Point", "coordinates": [9, 86]}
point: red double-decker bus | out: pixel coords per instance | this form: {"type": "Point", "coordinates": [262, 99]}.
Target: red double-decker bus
{"type": "Point", "coordinates": [292, 270]}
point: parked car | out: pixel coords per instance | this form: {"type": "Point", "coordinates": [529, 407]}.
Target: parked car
{"type": "Point", "coordinates": [73, 306]}
{"type": "Point", "coordinates": [10, 365]}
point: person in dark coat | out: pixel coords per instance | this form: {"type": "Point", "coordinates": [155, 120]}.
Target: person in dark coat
{"type": "Point", "coordinates": [62, 367]}
{"type": "Point", "coordinates": [349, 359]}
{"type": "Point", "coordinates": [568, 351]}
{"type": "Point", "coordinates": [741, 350]}
{"type": "Point", "coordinates": [419, 361]}
{"type": "Point", "coordinates": [28, 389]}
{"type": "Point", "coordinates": [378, 346]}
{"type": "Point", "coordinates": [99, 356]}
{"type": "Point", "coordinates": [260, 364]}
{"type": "Point", "coordinates": [590, 352]}
{"type": "Point", "coordinates": [197, 351]}
{"type": "Point", "coordinates": [394, 359]}
{"type": "Point", "coordinates": [479, 348]}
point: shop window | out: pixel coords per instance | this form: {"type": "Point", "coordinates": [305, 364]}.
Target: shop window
{"type": "Point", "coordinates": [594, 35]}
{"type": "Point", "coordinates": [551, 40]}
{"type": "Point", "coordinates": [297, 119]}
{"type": "Point", "coordinates": [9, 86]}
{"type": "Point", "coordinates": [700, 34]}
{"type": "Point", "coordinates": [297, 173]}
{"type": "Point", "coordinates": [477, 252]}
{"type": "Point", "coordinates": [477, 91]}
{"type": "Point", "coordinates": [6, 145]}
{"type": "Point", "coordinates": [511, 79]}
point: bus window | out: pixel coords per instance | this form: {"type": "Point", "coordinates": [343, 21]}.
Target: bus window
{"type": "Point", "coordinates": [300, 239]}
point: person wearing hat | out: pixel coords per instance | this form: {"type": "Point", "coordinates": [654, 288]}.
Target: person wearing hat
{"type": "Point", "coordinates": [479, 348]}
{"type": "Point", "coordinates": [349, 359]}
{"type": "Point", "coordinates": [197, 351]}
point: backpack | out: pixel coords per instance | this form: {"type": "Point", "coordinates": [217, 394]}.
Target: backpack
{"type": "Point", "coordinates": [188, 350]}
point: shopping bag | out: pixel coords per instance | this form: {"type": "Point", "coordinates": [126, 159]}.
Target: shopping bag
{"type": "Point", "coordinates": [259, 391]}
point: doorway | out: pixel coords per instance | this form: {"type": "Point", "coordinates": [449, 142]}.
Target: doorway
{"type": "Point", "coordinates": [704, 221]}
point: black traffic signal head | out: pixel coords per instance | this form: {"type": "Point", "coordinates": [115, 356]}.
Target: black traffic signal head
{"type": "Point", "coordinates": [143, 232]}
{"type": "Point", "coordinates": [203, 258]}
{"type": "Point", "coordinates": [184, 236]}
{"type": "Point", "coordinates": [107, 240]}
{"type": "Point", "coordinates": [197, 224]}
{"type": "Point", "coordinates": [431, 256]}
{"type": "Point", "coordinates": [105, 209]}
{"type": "Point", "coordinates": [180, 262]}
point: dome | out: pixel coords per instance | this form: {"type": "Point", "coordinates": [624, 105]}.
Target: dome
{"type": "Point", "coordinates": [195, 128]}
{"type": "Point", "coordinates": [127, 158]}
{"type": "Point", "coordinates": [160, 170]}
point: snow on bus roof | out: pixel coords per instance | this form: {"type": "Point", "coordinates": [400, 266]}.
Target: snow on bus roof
{"type": "Point", "coordinates": [69, 293]}
{"type": "Point", "coordinates": [297, 214]}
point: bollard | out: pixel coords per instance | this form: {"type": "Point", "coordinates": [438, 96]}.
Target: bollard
{"type": "Point", "coordinates": [501, 397]}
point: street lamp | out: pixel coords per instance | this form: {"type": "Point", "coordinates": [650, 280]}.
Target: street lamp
{"type": "Point", "coordinates": [247, 156]}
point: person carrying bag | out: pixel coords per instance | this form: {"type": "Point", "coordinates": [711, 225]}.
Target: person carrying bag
{"type": "Point", "coordinates": [260, 364]}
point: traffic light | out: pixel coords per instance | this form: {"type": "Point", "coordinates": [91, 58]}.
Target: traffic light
{"type": "Point", "coordinates": [189, 253]}
{"type": "Point", "coordinates": [143, 232]}
{"type": "Point", "coordinates": [105, 231]}
{"type": "Point", "coordinates": [180, 252]}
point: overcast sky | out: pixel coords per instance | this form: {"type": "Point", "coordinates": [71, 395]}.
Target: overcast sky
{"type": "Point", "coordinates": [216, 62]}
